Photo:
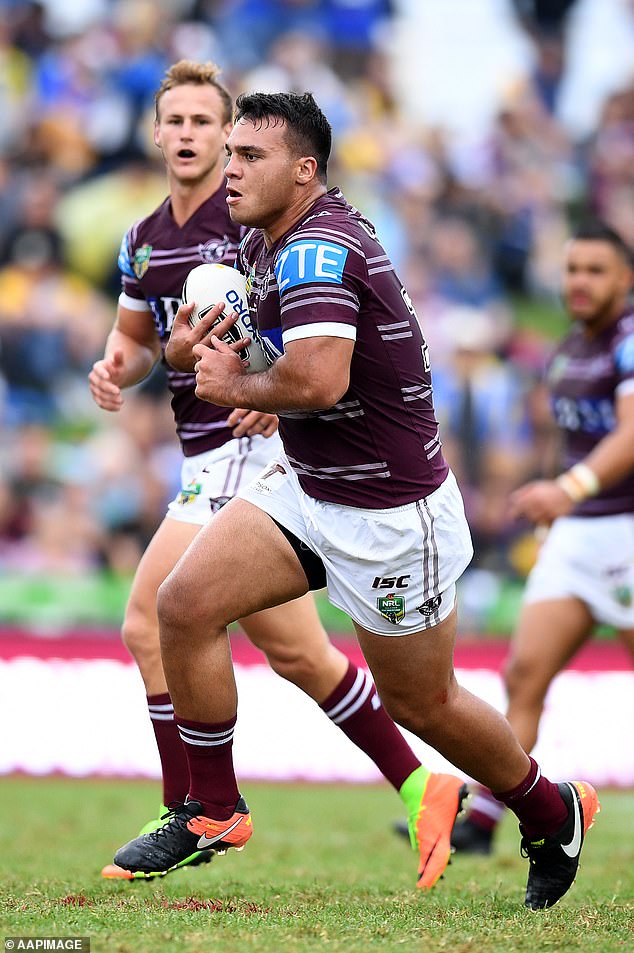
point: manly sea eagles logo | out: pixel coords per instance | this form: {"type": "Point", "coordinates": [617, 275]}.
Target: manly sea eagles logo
{"type": "Point", "coordinates": [142, 260]}
{"type": "Point", "coordinates": [213, 251]}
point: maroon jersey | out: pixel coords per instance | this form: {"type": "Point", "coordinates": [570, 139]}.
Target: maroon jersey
{"type": "Point", "coordinates": [378, 446]}
{"type": "Point", "coordinates": [584, 376]}
{"type": "Point", "coordinates": [155, 258]}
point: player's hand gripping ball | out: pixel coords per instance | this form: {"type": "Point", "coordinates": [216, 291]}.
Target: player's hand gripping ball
{"type": "Point", "coordinates": [209, 284]}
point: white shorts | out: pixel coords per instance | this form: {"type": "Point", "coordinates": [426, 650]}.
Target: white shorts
{"type": "Point", "coordinates": [394, 570]}
{"type": "Point", "coordinates": [211, 479]}
{"type": "Point", "coordinates": [592, 559]}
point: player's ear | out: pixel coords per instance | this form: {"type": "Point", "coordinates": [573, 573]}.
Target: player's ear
{"type": "Point", "coordinates": [156, 136]}
{"type": "Point", "coordinates": [306, 170]}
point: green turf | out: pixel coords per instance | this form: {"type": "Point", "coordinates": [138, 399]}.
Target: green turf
{"type": "Point", "coordinates": [323, 872]}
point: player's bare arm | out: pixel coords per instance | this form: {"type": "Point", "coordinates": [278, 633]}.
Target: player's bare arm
{"type": "Point", "coordinates": [313, 374]}
{"type": "Point", "coordinates": [611, 460]}
{"type": "Point", "coordinates": [131, 351]}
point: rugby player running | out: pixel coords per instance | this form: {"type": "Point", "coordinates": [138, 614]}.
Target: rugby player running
{"type": "Point", "coordinates": [360, 494]}
{"type": "Point", "coordinates": [223, 449]}
{"type": "Point", "coordinates": [584, 573]}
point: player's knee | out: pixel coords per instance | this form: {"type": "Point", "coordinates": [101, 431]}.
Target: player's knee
{"type": "Point", "coordinates": [172, 606]}
{"type": "Point", "coordinates": [181, 610]}
{"type": "Point", "coordinates": [293, 665]}
{"type": "Point", "coordinates": [139, 633]}
{"type": "Point", "coordinates": [522, 677]}
{"type": "Point", "coordinates": [419, 714]}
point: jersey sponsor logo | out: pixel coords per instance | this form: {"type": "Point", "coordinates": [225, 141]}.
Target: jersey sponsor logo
{"type": "Point", "coordinates": [303, 263]}
{"type": "Point", "coordinates": [429, 607]}
{"type": "Point", "coordinates": [142, 260]}
{"type": "Point", "coordinates": [624, 355]}
{"type": "Point", "coordinates": [392, 607]}
{"type": "Point", "coordinates": [588, 414]}
{"type": "Point", "coordinates": [391, 582]}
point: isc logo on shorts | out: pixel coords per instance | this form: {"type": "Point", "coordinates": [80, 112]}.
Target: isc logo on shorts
{"type": "Point", "coordinates": [391, 582]}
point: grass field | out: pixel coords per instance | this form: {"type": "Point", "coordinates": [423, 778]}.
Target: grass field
{"type": "Point", "coordinates": [323, 872]}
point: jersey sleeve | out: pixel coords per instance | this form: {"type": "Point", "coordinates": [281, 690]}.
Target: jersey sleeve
{"type": "Point", "coordinates": [318, 281]}
{"type": "Point", "coordinates": [131, 296]}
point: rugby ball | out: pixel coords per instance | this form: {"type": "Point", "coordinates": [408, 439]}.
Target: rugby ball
{"type": "Point", "coordinates": [209, 284]}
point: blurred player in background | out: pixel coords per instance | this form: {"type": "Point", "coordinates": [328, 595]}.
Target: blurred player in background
{"type": "Point", "coordinates": [222, 451]}
{"type": "Point", "coordinates": [584, 574]}
{"type": "Point", "coordinates": [360, 499]}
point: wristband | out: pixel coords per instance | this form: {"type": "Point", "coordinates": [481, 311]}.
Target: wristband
{"type": "Point", "coordinates": [579, 483]}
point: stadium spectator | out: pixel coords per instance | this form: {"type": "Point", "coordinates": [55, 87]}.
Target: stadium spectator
{"type": "Point", "coordinates": [41, 301]}
{"type": "Point", "coordinates": [487, 433]}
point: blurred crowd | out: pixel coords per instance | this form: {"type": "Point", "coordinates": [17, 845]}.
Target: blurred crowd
{"type": "Point", "coordinates": [474, 213]}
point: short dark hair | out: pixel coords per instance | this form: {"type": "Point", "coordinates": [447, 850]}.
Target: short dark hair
{"type": "Point", "coordinates": [307, 129]}
{"type": "Point", "coordinates": [595, 230]}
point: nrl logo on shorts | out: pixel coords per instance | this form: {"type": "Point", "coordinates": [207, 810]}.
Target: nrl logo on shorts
{"type": "Point", "coordinates": [392, 608]}
{"type": "Point", "coordinates": [623, 595]}
{"type": "Point", "coordinates": [189, 493]}
{"type": "Point", "coordinates": [142, 260]}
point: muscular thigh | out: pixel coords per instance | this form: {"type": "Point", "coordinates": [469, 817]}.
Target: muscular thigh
{"type": "Point", "coordinates": [417, 665]}
{"type": "Point", "coordinates": [285, 627]}
{"type": "Point", "coordinates": [163, 552]}
{"type": "Point", "coordinates": [547, 636]}
{"type": "Point", "coordinates": [239, 563]}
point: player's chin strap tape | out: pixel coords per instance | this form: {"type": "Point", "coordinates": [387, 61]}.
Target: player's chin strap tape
{"type": "Point", "coordinates": [310, 562]}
